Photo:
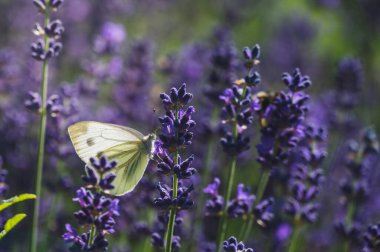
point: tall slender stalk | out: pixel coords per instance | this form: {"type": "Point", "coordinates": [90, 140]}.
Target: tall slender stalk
{"type": "Point", "coordinates": [350, 213]}
{"type": "Point", "coordinates": [262, 185]}
{"type": "Point", "coordinates": [293, 246]}
{"type": "Point", "coordinates": [260, 193]}
{"type": "Point", "coordinates": [173, 211]}
{"type": "Point", "coordinates": [352, 203]}
{"type": "Point", "coordinates": [348, 220]}
{"type": "Point", "coordinates": [227, 194]}
{"type": "Point", "coordinates": [263, 182]}
{"type": "Point", "coordinates": [41, 143]}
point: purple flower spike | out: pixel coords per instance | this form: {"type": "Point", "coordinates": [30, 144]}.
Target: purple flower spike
{"type": "Point", "coordinates": [95, 209]}
{"type": "Point", "coordinates": [176, 123]}
{"type": "Point", "coordinates": [350, 75]}
{"type": "Point", "coordinates": [224, 65]}
{"type": "Point", "coordinates": [174, 135]}
{"type": "Point", "coordinates": [296, 82]}
{"type": "Point", "coordinates": [53, 32]}
{"type": "Point", "coordinates": [177, 98]}
{"type": "Point", "coordinates": [306, 176]}
{"type": "Point", "coordinates": [232, 245]}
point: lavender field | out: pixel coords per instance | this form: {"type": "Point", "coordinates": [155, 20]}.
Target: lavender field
{"type": "Point", "coordinates": [192, 126]}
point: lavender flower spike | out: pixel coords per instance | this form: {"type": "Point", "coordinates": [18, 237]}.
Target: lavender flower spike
{"type": "Point", "coordinates": [232, 245]}
{"type": "Point", "coordinates": [96, 210]}
{"type": "Point", "coordinates": [175, 135]}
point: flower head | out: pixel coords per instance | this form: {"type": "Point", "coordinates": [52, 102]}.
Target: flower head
{"type": "Point", "coordinates": [232, 245]}
{"type": "Point", "coordinates": [96, 210]}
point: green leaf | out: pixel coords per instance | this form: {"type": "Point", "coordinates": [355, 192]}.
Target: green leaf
{"type": "Point", "coordinates": [8, 202]}
{"type": "Point", "coordinates": [11, 223]}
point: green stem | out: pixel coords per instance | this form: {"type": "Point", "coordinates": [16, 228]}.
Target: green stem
{"type": "Point", "coordinates": [350, 213]}
{"type": "Point", "coordinates": [295, 238]}
{"type": "Point", "coordinates": [147, 245]}
{"type": "Point", "coordinates": [262, 185]}
{"type": "Point", "coordinates": [41, 143]}
{"type": "Point", "coordinates": [346, 246]}
{"type": "Point", "coordinates": [227, 194]}
{"type": "Point", "coordinates": [348, 220]}
{"type": "Point", "coordinates": [259, 195]}
{"type": "Point", "coordinates": [92, 235]}
{"type": "Point", "coordinates": [243, 229]}
{"type": "Point", "coordinates": [351, 206]}
{"type": "Point", "coordinates": [248, 227]}
{"type": "Point", "coordinates": [173, 210]}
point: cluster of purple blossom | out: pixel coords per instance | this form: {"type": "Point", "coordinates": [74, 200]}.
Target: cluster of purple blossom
{"type": "Point", "coordinates": [97, 212]}
{"type": "Point", "coordinates": [174, 136]}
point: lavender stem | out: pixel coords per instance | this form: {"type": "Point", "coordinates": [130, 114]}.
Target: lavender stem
{"type": "Point", "coordinates": [227, 195]}
{"type": "Point", "coordinates": [349, 217]}
{"type": "Point", "coordinates": [92, 235]}
{"type": "Point", "coordinates": [260, 192]}
{"type": "Point", "coordinates": [173, 210]}
{"type": "Point", "coordinates": [41, 144]}
{"type": "Point", "coordinates": [294, 240]}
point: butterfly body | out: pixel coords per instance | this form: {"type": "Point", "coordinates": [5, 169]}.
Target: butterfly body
{"type": "Point", "coordinates": [128, 147]}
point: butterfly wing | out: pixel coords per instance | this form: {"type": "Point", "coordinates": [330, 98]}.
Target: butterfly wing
{"type": "Point", "coordinates": [91, 138]}
{"type": "Point", "coordinates": [132, 162]}
{"type": "Point", "coordinates": [122, 144]}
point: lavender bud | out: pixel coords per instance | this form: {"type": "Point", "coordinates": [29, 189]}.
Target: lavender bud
{"type": "Point", "coordinates": [296, 82]}
{"type": "Point", "coordinates": [54, 29]}
{"type": "Point", "coordinates": [33, 102]}
{"type": "Point", "coordinates": [232, 245]}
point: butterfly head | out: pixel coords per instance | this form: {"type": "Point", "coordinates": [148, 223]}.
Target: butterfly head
{"type": "Point", "coordinates": [148, 141]}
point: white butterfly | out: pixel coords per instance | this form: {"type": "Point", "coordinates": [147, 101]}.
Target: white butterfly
{"type": "Point", "coordinates": [128, 147]}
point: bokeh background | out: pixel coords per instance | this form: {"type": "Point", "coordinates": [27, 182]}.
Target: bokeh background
{"type": "Point", "coordinates": [117, 57]}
